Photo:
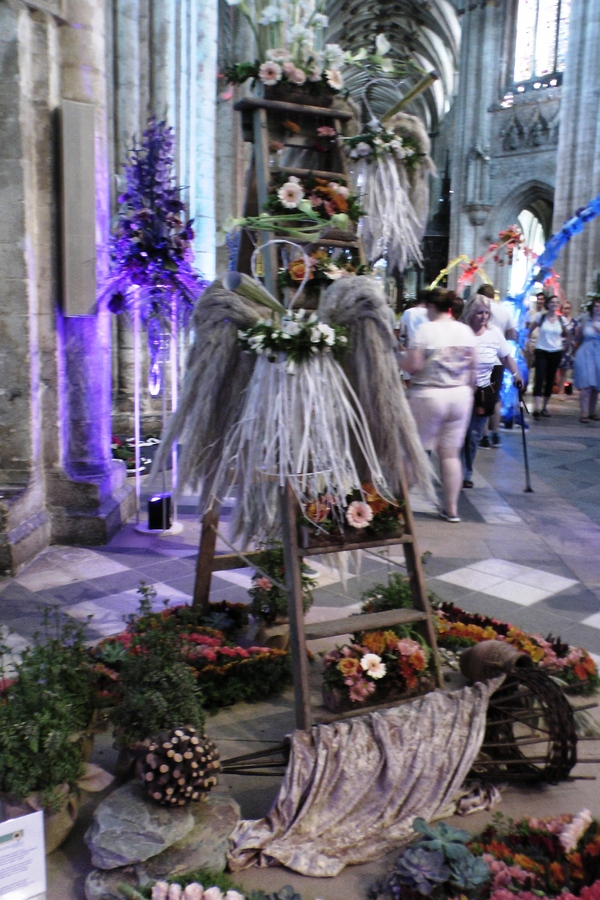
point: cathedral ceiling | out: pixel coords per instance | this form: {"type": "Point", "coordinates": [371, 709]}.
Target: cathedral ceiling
{"type": "Point", "coordinates": [425, 31]}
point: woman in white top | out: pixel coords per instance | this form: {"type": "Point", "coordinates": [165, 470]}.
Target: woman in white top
{"type": "Point", "coordinates": [441, 364]}
{"type": "Point", "coordinates": [547, 354]}
{"type": "Point", "coordinates": [492, 350]}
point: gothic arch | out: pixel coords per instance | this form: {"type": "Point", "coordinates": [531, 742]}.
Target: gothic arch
{"type": "Point", "coordinates": [535, 196]}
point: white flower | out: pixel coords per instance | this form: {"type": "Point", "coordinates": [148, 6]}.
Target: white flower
{"type": "Point", "coordinates": [291, 367]}
{"type": "Point", "coordinates": [160, 891]}
{"type": "Point", "coordinates": [294, 179]}
{"type": "Point", "coordinates": [278, 54]}
{"type": "Point", "coordinates": [315, 335]}
{"type": "Point", "coordinates": [327, 332]}
{"type": "Point", "coordinates": [340, 189]}
{"type": "Point", "coordinates": [372, 665]}
{"type": "Point", "coordinates": [333, 272]}
{"type": "Point", "coordinates": [213, 893]}
{"type": "Point", "coordinates": [234, 895]}
{"type": "Point", "coordinates": [175, 891]}
{"type": "Point", "coordinates": [334, 55]}
{"type": "Point", "coordinates": [334, 79]}
{"type": "Point", "coordinates": [359, 514]}
{"type": "Point", "coordinates": [298, 32]}
{"type": "Point", "coordinates": [363, 149]}
{"type": "Point", "coordinates": [320, 20]}
{"type": "Point", "coordinates": [315, 72]}
{"type": "Point", "coordinates": [290, 194]}
{"type": "Point", "coordinates": [270, 72]}
{"type": "Point", "coordinates": [270, 15]}
{"type": "Point", "coordinates": [571, 833]}
{"type": "Point", "coordinates": [297, 76]}
{"type": "Point", "coordinates": [193, 891]}
{"type": "Point", "coordinates": [312, 318]}
{"type": "Point", "coordinates": [290, 327]}
{"type": "Point", "coordinates": [382, 44]}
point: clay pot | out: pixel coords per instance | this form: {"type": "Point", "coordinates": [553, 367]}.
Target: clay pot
{"type": "Point", "coordinates": [491, 658]}
{"type": "Point", "coordinates": [57, 825]}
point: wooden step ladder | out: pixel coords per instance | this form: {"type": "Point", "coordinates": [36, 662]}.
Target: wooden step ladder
{"type": "Point", "coordinates": [262, 123]}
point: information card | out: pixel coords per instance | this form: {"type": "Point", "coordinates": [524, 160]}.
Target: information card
{"type": "Point", "coordinates": [22, 858]}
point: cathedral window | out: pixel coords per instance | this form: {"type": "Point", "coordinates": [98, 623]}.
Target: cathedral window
{"type": "Point", "coordinates": [540, 47]}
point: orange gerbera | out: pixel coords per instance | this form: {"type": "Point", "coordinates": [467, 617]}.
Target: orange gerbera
{"type": "Point", "coordinates": [317, 511]}
{"type": "Point", "coordinates": [348, 666]}
{"type": "Point", "coordinates": [297, 270]}
{"type": "Point", "coordinates": [374, 642]}
{"type": "Point", "coordinates": [292, 126]}
{"type": "Point", "coordinates": [373, 498]}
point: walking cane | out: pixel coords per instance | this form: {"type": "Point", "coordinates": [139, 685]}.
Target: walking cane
{"type": "Point", "coordinates": [522, 410]}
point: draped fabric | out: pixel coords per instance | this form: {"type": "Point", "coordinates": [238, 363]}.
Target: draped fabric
{"type": "Point", "coordinates": [353, 788]}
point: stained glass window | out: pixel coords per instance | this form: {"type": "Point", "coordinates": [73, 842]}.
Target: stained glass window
{"type": "Point", "coordinates": [541, 40]}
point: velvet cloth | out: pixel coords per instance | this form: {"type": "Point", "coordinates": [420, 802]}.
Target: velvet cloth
{"type": "Point", "coordinates": [353, 788]}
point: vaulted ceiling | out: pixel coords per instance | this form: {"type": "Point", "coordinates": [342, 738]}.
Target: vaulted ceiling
{"type": "Point", "coordinates": [425, 31]}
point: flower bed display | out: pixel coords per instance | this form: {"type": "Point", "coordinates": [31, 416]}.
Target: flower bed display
{"type": "Point", "coordinates": [190, 887]}
{"type": "Point", "coordinates": [528, 859]}
{"type": "Point", "coordinates": [457, 629]}
{"type": "Point", "coordinates": [226, 672]}
{"type": "Point", "coordinates": [377, 666]}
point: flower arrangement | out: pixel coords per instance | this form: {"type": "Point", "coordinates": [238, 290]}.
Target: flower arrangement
{"type": "Point", "coordinates": [269, 601]}
{"type": "Point", "coordinates": [439, 864]}
{"type": "Point", "coordinates": [330, 200]}
{"type": "Point", "coordinates": [366, 515]}
{"type": "Point", "coordinates": [457, 629]}
{"type": "Point", "coordinates": [377, 665]}
{"type": "Point", "coordinates": [322, 270]}
{"type": "Point", "coordinates": [374, 144]}
{"type": "Point", "coordinates": [290, 45]}
{"type": "Point", "coordinates": [151, 249]}
{"type": "Point", "coordinates": [296, 337]}
{"type": "Point", "coordinates": [500, 251]}
{"type": "Point", "coordinates": [550, 857]}
{"type": "Point", "coordinates": [223, 671]}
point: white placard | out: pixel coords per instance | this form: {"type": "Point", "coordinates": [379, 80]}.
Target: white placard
{"type": "Point", "coordinates": [22, 857]}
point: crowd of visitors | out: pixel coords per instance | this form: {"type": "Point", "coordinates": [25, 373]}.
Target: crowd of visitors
{"type": "Point", "coordinates": [454, 371]}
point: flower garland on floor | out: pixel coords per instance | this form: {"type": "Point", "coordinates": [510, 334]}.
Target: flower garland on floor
{"type": "Point", "coordinates": [457, 629]}
{"type": "Point", "coordinates": [527, 859]}
{"type": "Point", "coordinates": [189, 886]}
{"type": "Point", "coordinates": [226, 672]}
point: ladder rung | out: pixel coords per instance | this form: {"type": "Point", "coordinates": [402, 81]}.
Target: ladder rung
{"type": "Point", "coordinates": [247, 104]}
{"type": "Point", "coordinates": [318, 173]}
{"type": "Point", "coordinates": [223, 561]}
{"type": "Point", "coordinates": [367, 622]}
{"type": "Point", "coordinates": [340, 546]}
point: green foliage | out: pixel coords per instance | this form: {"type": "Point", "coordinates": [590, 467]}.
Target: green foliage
{"type": "Point", "coordinates": [248, 681]}
{"type": "Point", "coordinates": [268, 600]}
{"type": "Point", "coordinates": [43, 710]}
{"type": "Point", "coordinates": [396, 594]}
{"type": "Point", "coordinates": [157, 691]}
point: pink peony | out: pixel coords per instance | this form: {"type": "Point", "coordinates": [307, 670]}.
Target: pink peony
{"type": "Point", "coordinates": [160, 890]}
{"type": "Point", "coordinates": [263, 584]}
{"type": "Point", "coordinates": [326, 131]}
{"type": "Point", "coordinates": [297, 76]}
{"type": "Point", "coordinates": [361, 690]}
{"type": "Point", "coordinates": [193, 891]}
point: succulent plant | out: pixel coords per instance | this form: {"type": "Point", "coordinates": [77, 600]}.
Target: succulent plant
{"type": "Point", "coordinates": [180, 766]}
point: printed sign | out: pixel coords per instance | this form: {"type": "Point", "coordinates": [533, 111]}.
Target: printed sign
{"type": "Point", "coordinates": [22, 858]}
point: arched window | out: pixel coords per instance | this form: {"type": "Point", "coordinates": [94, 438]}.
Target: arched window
{"type": "Point", "coordinates": [540, 43]}
{"type": "Point", "coordinates": [533, 232]}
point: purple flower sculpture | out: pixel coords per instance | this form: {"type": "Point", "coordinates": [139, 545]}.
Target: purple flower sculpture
{"type": "Point", "coordinates": [151, 244]}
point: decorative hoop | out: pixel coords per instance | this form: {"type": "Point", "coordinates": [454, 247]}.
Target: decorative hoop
{"type": "Point", "coordinates": [259, 250]}
{"type": "Point", "coordinates": [365, 95]}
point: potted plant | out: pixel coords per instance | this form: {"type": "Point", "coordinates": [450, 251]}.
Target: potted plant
{"type": "Point", "coordinates": [269, 601]}
{"type": "Point", "coordinates": [46, 704]}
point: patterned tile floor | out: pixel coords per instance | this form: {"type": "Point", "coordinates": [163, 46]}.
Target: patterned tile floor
{"type": "Point", "coordinates": [529, 558]}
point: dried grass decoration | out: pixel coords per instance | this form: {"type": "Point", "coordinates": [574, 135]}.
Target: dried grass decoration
{"type": "Point", "coordinates": [180, 766]}
{"type": "Point", "coordinates": [301, 421]}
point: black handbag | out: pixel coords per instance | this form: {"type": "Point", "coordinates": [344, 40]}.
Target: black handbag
{"type": "Point", "coordinates": [485, 400]}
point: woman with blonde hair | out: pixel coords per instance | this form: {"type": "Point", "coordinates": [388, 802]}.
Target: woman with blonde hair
{"type": "Point", "coordinates": [492, 349]}
{"type": "Point", "coordinates": [441, 363]}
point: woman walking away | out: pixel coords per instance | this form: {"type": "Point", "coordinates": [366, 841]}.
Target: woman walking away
{"type": "Point", "coordinates": [548, 353]}
{"type": "Point", "coordinates": [586, 367]}
{"type": "Point", "coordinates": [492, 350]}
{"type": "Point", "coordinates": [441, 363]}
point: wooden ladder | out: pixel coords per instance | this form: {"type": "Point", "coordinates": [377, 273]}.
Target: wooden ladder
{"type": "Point", "coordinates": [263, 122]}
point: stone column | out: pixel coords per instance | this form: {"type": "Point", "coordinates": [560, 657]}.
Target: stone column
{"type": "Point", "coordinates": [93, 499]}
{"type": "Point", "coordinates": [578, 167]}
